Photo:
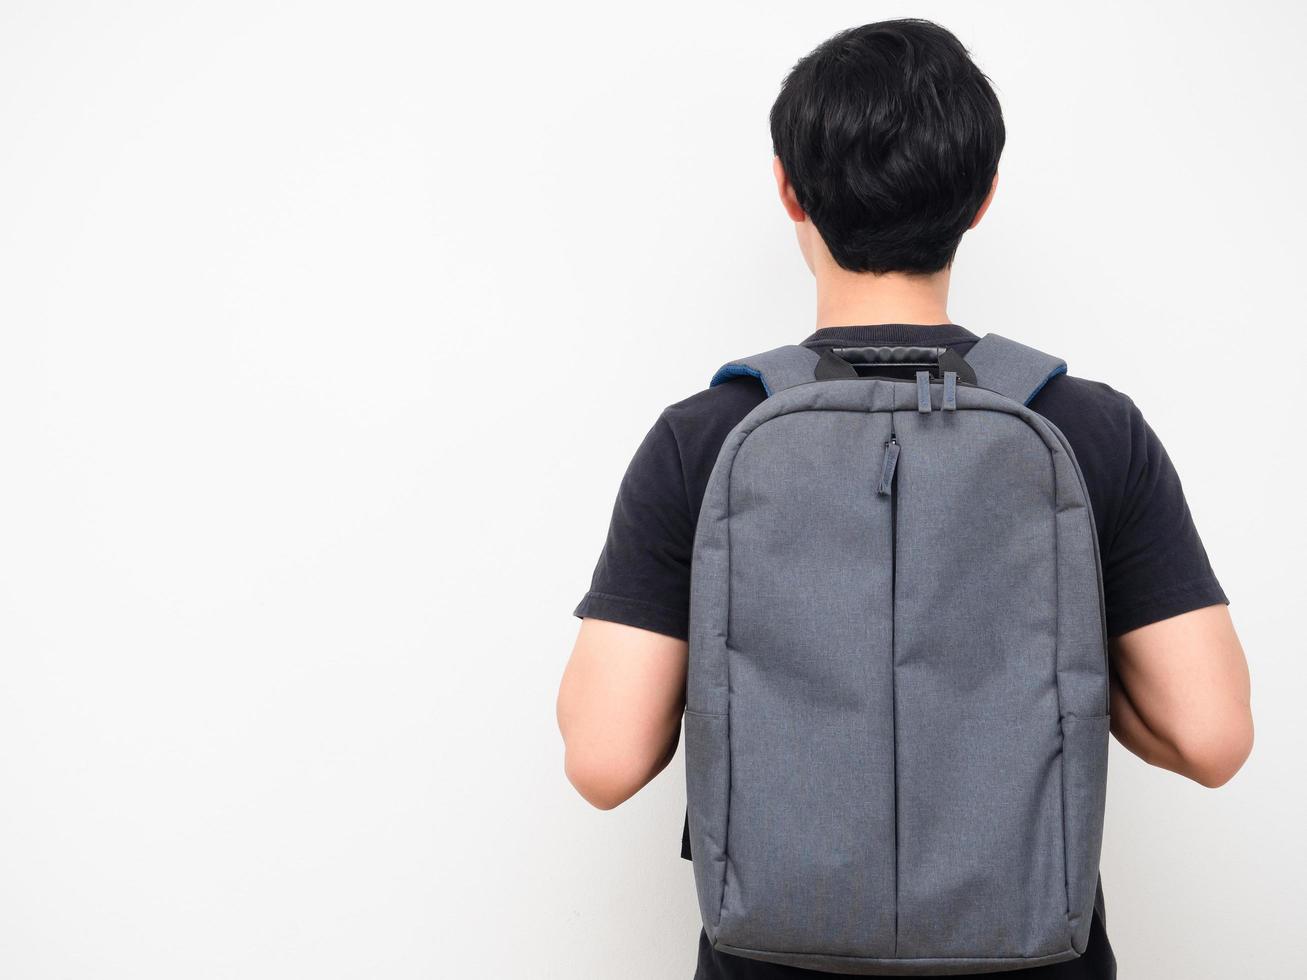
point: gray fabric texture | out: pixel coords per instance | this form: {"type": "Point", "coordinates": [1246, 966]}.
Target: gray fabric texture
{"type": "Point", "coordinates": [923, 392]}
{"type": "Point", "coordinates": [896, 724]}
{"type": "Point", "coordinates": [1013, 370]}
{"type": "Point", "coordinates": [777, 369]}
{"type": "Point", "coordinates": [950, 391]}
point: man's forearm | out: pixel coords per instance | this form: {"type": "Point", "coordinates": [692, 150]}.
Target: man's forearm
{"type": "Point", "coordinates": [1132, 731]}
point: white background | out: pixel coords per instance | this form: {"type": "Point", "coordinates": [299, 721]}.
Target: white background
{"type": "Point", "coordinates": [328, 331]}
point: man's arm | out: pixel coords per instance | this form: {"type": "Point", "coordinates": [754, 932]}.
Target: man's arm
{"type": "Point", "coordinates": [1180, 695]}
{"type": "Point", "coordinates": [619, 709]}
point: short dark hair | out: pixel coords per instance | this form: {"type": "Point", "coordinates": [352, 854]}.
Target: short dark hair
{"type": "Point", "coordinates": [890, 136]}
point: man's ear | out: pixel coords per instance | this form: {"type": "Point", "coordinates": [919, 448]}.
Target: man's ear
{"type": "Point", "coordinates": [786, 191]}
{"type": "Point", "coordinates": [984, 205]}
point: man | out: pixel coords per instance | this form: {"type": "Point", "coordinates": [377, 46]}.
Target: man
{"type": "Point", "coordinates": [887, 141]}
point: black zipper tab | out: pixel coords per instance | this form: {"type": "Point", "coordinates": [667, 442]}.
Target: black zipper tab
{"type": "Point", "coordinates": [888, 466]}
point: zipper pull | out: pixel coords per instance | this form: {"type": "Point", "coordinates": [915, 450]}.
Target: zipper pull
{"type": "Point", "coordinates": [887, 467]}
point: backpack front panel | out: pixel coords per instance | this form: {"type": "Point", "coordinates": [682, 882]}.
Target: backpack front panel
{"type": "Point", "coordinates": [874, 735]}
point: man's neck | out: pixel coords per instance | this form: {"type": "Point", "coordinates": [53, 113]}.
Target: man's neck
{"type": "Point", "coordinates": [846, 299]}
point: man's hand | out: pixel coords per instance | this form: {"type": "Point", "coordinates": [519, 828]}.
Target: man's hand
{"type": "Point", "coordinates": [1180, 695]}
{"type": "Point", "coordinates": [619, 709]}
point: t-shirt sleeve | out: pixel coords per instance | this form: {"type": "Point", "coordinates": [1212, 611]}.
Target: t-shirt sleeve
{"type": "Point", "coordinates": [642, 578]}
{"type": "Point", "coordinates": [1154, 563]}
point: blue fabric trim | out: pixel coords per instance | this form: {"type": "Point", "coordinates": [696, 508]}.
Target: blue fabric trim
{"type": "Point", "coordinates": [728, 371]}
{"type": "Point", "coordinates": [1060, 369]}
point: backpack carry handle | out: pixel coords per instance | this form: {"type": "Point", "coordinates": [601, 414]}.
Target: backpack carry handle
{"type": "Point", "coordinates": [901, 356]}
{"type": "Point", "coordinates": [865, 360]}
{"type": "Point", "coordinates": [793, 365]}
{"type": "Point", "coordinates": [1003, 366]}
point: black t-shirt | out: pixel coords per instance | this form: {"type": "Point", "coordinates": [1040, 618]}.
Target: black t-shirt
{"type": "Point", "coordinates": [1154, 565]}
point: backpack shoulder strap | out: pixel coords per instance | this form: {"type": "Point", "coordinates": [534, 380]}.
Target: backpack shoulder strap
{"type": "Point", "coordinates": [777, 369]}
{"type": "Point", "coordinates": [1012, 370]}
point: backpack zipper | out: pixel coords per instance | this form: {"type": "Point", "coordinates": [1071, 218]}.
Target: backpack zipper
{"type": "Point", "coordinates": [887, 467]}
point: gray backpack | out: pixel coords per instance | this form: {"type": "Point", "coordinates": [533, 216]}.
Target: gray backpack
{"type": "Point", "coordinates": [896, 722]}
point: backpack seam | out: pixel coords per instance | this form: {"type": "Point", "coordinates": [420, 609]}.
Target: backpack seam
{"type": "Point", "coordinates": [901, 959]}
{"type": "Point", "coordinates": [1057, 690]}
{"type": "Point", "coordinates": [726, 654]}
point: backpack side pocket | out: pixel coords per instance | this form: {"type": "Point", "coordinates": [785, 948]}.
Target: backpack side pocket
{"type": "Point", "coordinates": [707, 791]}
{"type": "Point", "coordinates": [1084, 782]}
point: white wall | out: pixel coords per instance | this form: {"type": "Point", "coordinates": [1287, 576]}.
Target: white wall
{"type": "Point", "coordinates": [328, 330]}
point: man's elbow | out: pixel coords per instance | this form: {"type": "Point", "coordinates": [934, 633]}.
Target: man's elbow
{"type": "Point", "coordinates": [603, 783]}
{"type": "Point", "coordinates": [1211, 756]}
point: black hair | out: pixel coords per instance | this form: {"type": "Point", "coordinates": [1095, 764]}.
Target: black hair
{"type": "Point", "coordinates": [890, 136]}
